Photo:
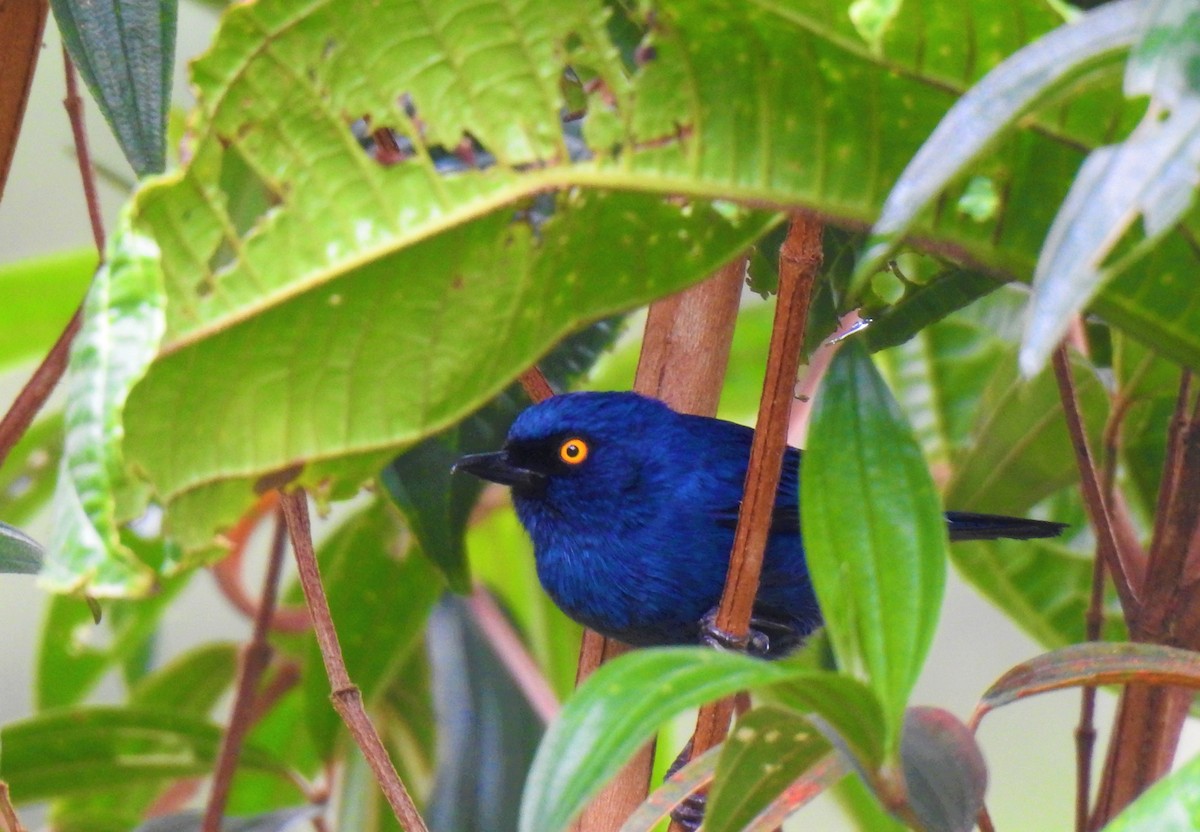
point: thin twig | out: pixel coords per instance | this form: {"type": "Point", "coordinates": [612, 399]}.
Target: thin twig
{"type": "Point", "coordinates": [513, 655]}
{"type": "Point", "coordinates": [799, 261]}
{"type": "Point", "coordinates": [8, 811]}
{"type": "Point", "coordinates": [1089, 482]}
{"type": "Point", "coordinates": [984, 821]}
{"type": "Point", "coordinates": [346, 697]}
{"type": "Point", "coordinates": [253, 661]}
{"type": "Point", "coordinates": [46, 377]}
{"type": "Point", "coordinates": [74, 106]}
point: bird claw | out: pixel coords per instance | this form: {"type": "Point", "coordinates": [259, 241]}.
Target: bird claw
{"type": "Point", "coordinates": [690, 813]}
{"type": "Point", "coordinates": [755, 642]}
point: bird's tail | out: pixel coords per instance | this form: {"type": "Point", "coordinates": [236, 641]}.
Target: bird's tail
{"type": "Point", "coordinates": [965, 525]}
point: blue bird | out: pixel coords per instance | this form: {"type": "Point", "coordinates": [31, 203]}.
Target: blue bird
{"type": "Point", "coordinates": [632, 509]}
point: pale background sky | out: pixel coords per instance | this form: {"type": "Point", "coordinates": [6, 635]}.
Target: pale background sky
{"type": "Point", "coordinates": [1029, 746]}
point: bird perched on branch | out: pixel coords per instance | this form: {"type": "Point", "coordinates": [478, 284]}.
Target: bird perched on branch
{"type": "Point", "coordinates": [632, 509]}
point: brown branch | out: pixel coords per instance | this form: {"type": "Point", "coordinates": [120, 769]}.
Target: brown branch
{"type": "Point", "coordinates": [1150, 718]}
{"type": "Point", "coordinates": [536, 386]}
{"type": "Point", "coordinates": [74, 105]}
{"type": "Point", "coordinates": [346, 697]}
{"type": "Point", "coordinates": [253, 661]}
{"type": "Point", "coordinates": [512, 654]}
{"type": "Point", "coordinates": [8, 811]}
{"type": "Point", "coordinates": [799, 262]}
{"type": "Point", "coordinates": [685, 352]}
{"type": "Point", "coordinates": [22, 25]}
{"type": "Point", "coordinates": [1115, 560]}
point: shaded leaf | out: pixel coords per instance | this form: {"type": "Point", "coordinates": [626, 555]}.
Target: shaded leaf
{"type": "Point", "coordinates": [125, 51]}
{"type": "Point", "coordinates": [487, 732]}
{"type": "Point", "coordinates": [80, 750]}
{"type": "Point", "coordinates": [626, 701]}
{"type": "Point", "coordinates": [1170, 805]}
{"type": "Point", "coordinates": [768, 749]}
{"type": "Point", "coordinates": [284, 734]}
{"type": "Point", "coordinates": [874, 533]}
{"type": "Point", "coordinates": [1153, 175]}
{"type": "Point", "coordinates": [1094, 663]}
{"type": "Point", "coordinates": [122, 326]}
{"type": "Point", "coordinates": [285, 820]}
{"type": "Point", "coordinates": [19, 553]}
{"type": "Point", "coordinates": [945, 776]}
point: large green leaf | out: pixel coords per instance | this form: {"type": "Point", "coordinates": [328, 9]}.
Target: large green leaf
{"type": "Point", "coordinates": [875, 539]}
{"type": "Point", "coordinates": [79, 750]}
{"type": "Point", "coordinates": [125, 51]}
{"type": "Point", "coordinates": [627, 700]}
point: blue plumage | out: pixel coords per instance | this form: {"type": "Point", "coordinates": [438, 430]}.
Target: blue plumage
{"type": "Point", "coordinates": [632, 509]}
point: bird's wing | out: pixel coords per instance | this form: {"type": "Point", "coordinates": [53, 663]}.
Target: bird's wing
{"type": "Point", "coordinates": [785, 519]}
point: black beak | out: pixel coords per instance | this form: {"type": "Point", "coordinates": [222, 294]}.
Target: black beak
{"type": "Point", "coordinates": [496, 467]}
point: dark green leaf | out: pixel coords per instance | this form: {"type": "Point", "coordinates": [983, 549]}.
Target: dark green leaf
{"type": "Point", "coordinates": [437, 504]}
{"type": "Point", "coordinates": [125, 51]}
{"type": "Point", "coordinates": [944, 773]}
{"type": "Point", "coordinates": [767, 750]}
{"type": "Point", "coordinates": [874, 536]}
{"type": "Point", "coordinates": [696, 774]}
{"type": "Point", "coordinates": [487, 732]}
{"type": "Point", "coordinates": [19, 553]}
{"type": "Point", "coordinates": [80, 750]}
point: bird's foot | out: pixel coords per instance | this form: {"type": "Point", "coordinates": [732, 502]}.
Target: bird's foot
{"type": "Point", "coordinates": [755, 642]}
{"type": "Point", "coordinates": [690, 813]}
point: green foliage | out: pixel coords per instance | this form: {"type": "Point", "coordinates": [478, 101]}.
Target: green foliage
{"type": "Point", "coordinates": [879, 578]}
{"type": "Point", "coordinates": [301, 304]}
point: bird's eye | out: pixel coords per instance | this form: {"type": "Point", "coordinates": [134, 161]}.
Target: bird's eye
{"type": "Point", "coordinates": [573, 451]}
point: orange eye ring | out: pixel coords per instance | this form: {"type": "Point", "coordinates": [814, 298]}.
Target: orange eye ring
{"type": "Point", "coordinates": [573, 451]}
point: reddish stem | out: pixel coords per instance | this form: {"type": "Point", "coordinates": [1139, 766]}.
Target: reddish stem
{"type": "Point", "coordinates": [74, 106]}
{"type": "Point", "coordinates": [8, 811]}
{"type": "Point", "coordinates": [513, 655]}
{"type": "Point", "coordinates": [253, 661]}
{"type": "Point", "coordinates": [347, 698]}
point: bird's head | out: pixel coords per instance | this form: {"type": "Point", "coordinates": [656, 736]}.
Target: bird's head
{"type": "Point", "coordinates": [582, 455]}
